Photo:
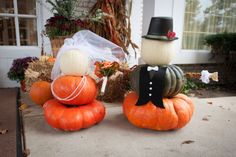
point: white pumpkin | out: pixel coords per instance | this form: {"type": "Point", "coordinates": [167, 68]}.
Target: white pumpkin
{"type": "Point", "coordinates": [74, 62]}
{"type": "Point", "coordinates": [157, 52]}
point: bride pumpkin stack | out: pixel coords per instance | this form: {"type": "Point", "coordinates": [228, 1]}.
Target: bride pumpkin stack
{"type": "Point", "coordinates": [74, 106]}
{"type": "Point", "coordinates": [156, 102]}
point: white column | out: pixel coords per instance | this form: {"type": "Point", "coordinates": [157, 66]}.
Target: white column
{"type": "Point", "coordinates": [136, 29]}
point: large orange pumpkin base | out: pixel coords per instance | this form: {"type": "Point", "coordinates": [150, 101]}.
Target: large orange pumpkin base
{"type": "Point", "coordinates": [72, 118]}
{"type": "Point", "coordinates": [177, 113]}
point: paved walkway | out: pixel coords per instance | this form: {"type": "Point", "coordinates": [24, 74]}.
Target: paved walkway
{"type": "Point", "coordinates": [8, 117]}
{"type": "Point", "coordinates": [211, 130]}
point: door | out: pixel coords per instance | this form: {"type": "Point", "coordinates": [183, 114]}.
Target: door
{"type": "Point", "coordinates": [19, 34]}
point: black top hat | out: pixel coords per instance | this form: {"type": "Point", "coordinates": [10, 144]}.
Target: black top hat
{"type": "Point", "coordinates": [161, 28]}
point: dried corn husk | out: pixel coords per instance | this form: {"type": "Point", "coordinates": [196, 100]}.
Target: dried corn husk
{"type": "Point", "coordinates": [115, 22]}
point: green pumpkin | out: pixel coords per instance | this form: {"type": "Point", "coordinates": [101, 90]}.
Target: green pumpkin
{"type": "Point", "coordinates": [174, 80]}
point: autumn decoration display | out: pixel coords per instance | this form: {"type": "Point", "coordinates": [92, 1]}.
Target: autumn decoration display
{"type": "Point", "coordinates": [74, 105]}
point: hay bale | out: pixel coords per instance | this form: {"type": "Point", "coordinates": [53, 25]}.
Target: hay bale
{"type": "Point", "coordinates": [39, 70]}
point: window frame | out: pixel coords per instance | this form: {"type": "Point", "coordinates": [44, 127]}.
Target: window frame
{"type": "Point", "coordinates": [16, 17]}
{"type": "Point", "coordinates": [185, 56]}
{"type": "Point", "coordinates": [206, 33]}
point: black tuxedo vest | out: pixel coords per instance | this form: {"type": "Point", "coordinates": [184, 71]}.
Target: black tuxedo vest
{"type": "Point", "coordinates": [151, 85]}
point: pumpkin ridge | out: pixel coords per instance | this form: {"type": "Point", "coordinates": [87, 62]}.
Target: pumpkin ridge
{"type": "Point", "coordinates": [59, 116]}
{"type": "Point", "coordinates": [181, 109]}
{"type": "Point", "coordinates": [179, 81]}
{"type": "Point", "coordinates": [54, 108]}
{"type": "Point", "coordinates": [88, 113]}
{"type": "Point", "coordinates": [182, 80]}
{"type": "Point", "coordinates": [174, 114]}
{"type": "Point", "coordinates": [188, 100]}
{"type": "Point", "coordinates": [162, 122]}
{"type": "Point", "coordinates": [62, 121]}
{"type": "Point", "coordinates": [131, 95]}
{"type": "Point", "coordinates": [168, 82]}
{"type": "Point", "coordinates": [173, 81]}
{"type": "Point", "coordinates": [101, 111]}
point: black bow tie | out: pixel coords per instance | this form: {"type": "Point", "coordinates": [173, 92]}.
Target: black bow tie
{"type": "Point", "coordinates": [151, 88]}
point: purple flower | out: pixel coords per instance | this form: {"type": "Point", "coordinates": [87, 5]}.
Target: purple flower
{"type": "Point", "coordinates": [18, 68]}
{"type": "Point", "coordinates": [79, 23]}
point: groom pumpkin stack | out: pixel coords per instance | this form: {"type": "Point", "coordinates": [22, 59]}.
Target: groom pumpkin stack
{"type": "Point", "coordinates": [156, 102]}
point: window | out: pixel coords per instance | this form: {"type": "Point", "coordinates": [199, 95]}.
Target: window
{"type": "Point", "coordinates": [204, 17]}
{"type": "Point", "coordinates": [18, 23]}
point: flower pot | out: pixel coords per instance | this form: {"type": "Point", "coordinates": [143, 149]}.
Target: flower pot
{"type": "Point", "coordinates": [56, 44]}
{"type": "Point", "coordinates": [22, 85]}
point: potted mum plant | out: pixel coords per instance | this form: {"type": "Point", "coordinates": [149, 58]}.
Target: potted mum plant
{"type": "Point", "coordinates": [17, 70]}
{"type": "Point", "coordinates": [63, 24]}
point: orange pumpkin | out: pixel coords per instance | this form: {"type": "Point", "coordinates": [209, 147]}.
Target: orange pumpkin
{"type": "Point", "coordinates": [177, 113]}
{"type": "Point", "coordinates": [51, 59]}
{"type": "Point", "coordinates": [74, 90]}
{"type": "Point", "coordinates": [71, 118]}
{"type": "Point", "coordinates": [40, 92]}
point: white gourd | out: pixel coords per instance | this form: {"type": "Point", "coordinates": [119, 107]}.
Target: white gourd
{"type": "Point", "coordinates": [74, 62]}
{"type": "Point", "coordinates": [157, 52]}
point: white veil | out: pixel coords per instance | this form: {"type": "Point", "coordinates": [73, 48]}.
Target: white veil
{"type": "Point", "coordinates": [97, 48]}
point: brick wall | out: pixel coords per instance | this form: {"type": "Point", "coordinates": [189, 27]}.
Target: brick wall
{"type": "Point", "coordinates": [227, 74]}
{"type": "Point", "coordinates": [84, 6]}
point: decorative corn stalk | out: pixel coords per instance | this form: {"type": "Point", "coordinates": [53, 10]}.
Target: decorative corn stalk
{"type": "Point", "coordinates": [113, 22]}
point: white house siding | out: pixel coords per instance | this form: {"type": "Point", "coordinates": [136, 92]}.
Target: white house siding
{"type": "Point", "coordinates": [9, 53]}
{"type": "Point", "coordinates": [136, 29]}
{"type": "Point", "coordinates": [142, 11]}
